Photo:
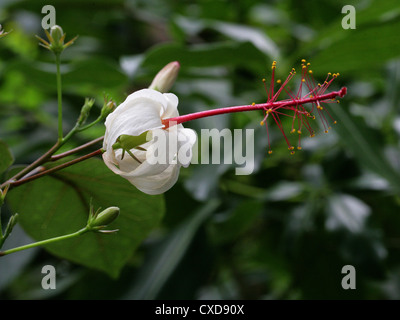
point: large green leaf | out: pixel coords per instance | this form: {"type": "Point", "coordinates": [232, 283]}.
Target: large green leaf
{"type": "Point", "coordinates": [84, 74]}
{"type": "Point", "coordinates": [360, 50]}
{"type": "Point", "coordinates": [6, 158]}
{"type": "Point", "coordinates": [156, 271]}
{"type": "Point", "coordinates": [59, 204]}
{"type": "Point", "coordinates": [230, 53]}
{"type": "Point", "coordinates": [364, 146]}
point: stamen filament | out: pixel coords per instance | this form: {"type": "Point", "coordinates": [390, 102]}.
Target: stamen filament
{"type": "Point", "coordinates": [262, 106]}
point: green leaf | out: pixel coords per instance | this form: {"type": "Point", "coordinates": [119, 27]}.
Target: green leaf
{"type": "Point", "coordinates": [230, 53]}
{"type": "Point", "coordinates": [157, 270]}
{"type": "Point", "coordinates": [346, 212]}
{"type": "Point", "coordinates": [361, 50]}
{"type": "Point", "coordinates": [364, 146]}
{"type": "Point", "coordinates": [85, 75]}
{"type": "Point", "coordinates": [6, 158]}
{"type": "Point", "coordinates": [59, 204]}
{"type": "Point", "coordinates": [94, 72]}
{"type": "Point", "coordinates": [237, 221]}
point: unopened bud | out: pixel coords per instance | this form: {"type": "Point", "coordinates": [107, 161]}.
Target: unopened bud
{"type": "Point", "coordinates": [166, 77]}
{"type": "Point", "coordinates": [108, 107]}
{"type": "Point", "coordinates": [85, 111]}
{"type": "Point", "coordinates": [104, 218]}
{"type": "Point", "coordinates": [56, 38]}
{"type": "Point", "coordinates": [57, 34]}
{"type": "Point", "coordinates": [10, 225]}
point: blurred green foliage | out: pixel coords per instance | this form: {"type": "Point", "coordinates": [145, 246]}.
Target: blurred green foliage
{"type": "Point", "coordinates": [283, 232]}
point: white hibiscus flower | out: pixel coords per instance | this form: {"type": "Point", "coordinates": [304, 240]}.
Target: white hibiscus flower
{"type": "Point", "coordinates": [152, 166]}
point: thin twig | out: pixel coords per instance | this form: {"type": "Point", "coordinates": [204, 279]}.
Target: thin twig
{"type": "Point", "coordinates": [75, 150]}
{"type": "Point", "coordinates": [54, 169]}
{"type": "Point", "coordinates": [44, 158]}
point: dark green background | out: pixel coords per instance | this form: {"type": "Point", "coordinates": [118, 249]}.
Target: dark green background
{"type": "Point", "coordinates": [283, 232]}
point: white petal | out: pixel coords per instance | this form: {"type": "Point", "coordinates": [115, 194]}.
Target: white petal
{"type": "Point", "coordinates": [172, 106]}
{"type": "Point", "coordinates": [159, 183]}
{"type": "Point", "coordinates": [190, 134]}
{"type": "Point", "coordinates": [139, 113]}
{"type": "Point", "coordinates": [187, 138]}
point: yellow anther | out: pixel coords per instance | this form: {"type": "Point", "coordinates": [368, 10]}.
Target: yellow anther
{"type": "Point", "coordinates": [269, 151]}
{"type": "Point", "coordinates": [292, 152]}
{"type": "Point", "coordinates": [313, 117]}
{"type": "Point", "coordinates": [326, 131]}
{"type": "Point", "coordinates": [303, 80]}
{"type": "Point", "coordinates": [319, 85]}
{"type": "Point", "coordinates": [263, 80]}
{"type": "Point", "coordinates": [334, 122]}
{"type": "Point", "coordinates": [311, 95]}
{"type": "Point", "coordinates": [278, 81]}
{"type": "Point", "coordinates": [310, 71]}
{"type": "Point", "coordinates": [329, 73]}
{"type": "Point", "coordinates": [261, 123]}
{"type": "Point", "coordinates": [308, 63]}
{"type": "Point", "coordinates": [299, 131]}
{"type": "Point", "coordinates": [303, 60]}
{"type": "Point", "coordinates": [253, 103]}
{"type": "Point", "coordinates": [298, 148]}
{"type": "Point", "coordinates": [293, 131]}
{"type": "Point", "coordinates": [312, 135]}
{"type": "Point", "coordinates": [304, 67]}
{"type": "Point", "coordinates": [291, 148]}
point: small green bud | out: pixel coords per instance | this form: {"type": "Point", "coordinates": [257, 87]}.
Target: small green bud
{"type": "Point", "coordinates": [166, 77]}
{"type": "Point", "coordinates": [57, 34]}
{"type": "Point", "coordinates": [85, 111]}
{"type": "Point", "coordinates": [104, 218]}
{"type": "Point", "coordinates": [3, 194]}
{"type": "Point", "coordinates": [10, 225]}
{"type": "Point", "coordinates": [108, 107]}
{"type": "Point", "coordinates": [56, 38]}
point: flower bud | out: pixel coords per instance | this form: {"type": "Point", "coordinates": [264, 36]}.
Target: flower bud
{"type": "Point", "coordinates": [57, 33]}
{"type": "Point", "coordinates": [85, 111]}
{"type": "Point", "coordinates": [104, 218]}
{"type": "Point", "coordinates": [10, 225]}
{"type": "Point", "coordinates": [166, 77]}
{"type": "Point", "coordinates": [56, 38]}
{"type": "Point", "coordinates": [108, 107]}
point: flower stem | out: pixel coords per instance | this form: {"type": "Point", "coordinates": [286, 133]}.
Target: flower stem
{"type": "Point", "coordinates": [44, 158]}
{"type": "Point", "coordinates": [261, 106]}
{"type": "Point", "coordinates": [44, 242]}
{"type": "Point", "coordinates": [75, 150]}
{"type": "Point", "coordinates": [59, 98]}
{"type": "Point", "coordinates": [54, 169]}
